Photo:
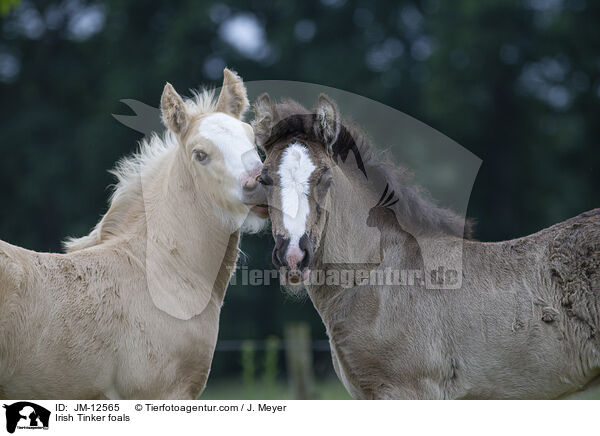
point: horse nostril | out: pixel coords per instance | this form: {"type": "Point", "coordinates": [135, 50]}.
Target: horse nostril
{"type": "Point", "coordinates": [281, 245]}
{"type": "Point", "coordinates": [252, 179]}
{"type": "Point", "coordinates": [305, 245]}
{"type": "Point", "coordinates": [278, 262]}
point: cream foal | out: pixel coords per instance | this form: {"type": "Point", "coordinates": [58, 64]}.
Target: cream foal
{"type": "Point", "coordinates": [132, 310]}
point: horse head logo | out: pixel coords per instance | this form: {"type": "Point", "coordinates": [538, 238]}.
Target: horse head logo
{"type": "Point", "coordinates": [26, 415]}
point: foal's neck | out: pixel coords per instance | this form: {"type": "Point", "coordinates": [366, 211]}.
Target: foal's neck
{"type": "Point", "coordinates": [347, 239]}
{"type": "Point", "coordinates": [187, 243]}
{"type": "Point", "coordinates": [352, 241]}
{"type": "Point", "coordinates": [347, 243]}
{"type": "Point", "coordinates": [183, 213]}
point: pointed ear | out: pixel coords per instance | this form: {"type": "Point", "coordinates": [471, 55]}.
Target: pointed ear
{"type": "Point", "coordinates": [174, 114]}
{"type": "Point", "coordinates": [329, 122]}
{"type": "Point", "coordinates": [264, 113]}
{"type": "Point", "coordinates": [233, 99]}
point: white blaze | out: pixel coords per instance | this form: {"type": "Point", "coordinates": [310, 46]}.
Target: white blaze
{"type": "Point", "coordinates": [228, 134]}
{"type": "Point", "coordinates": [294, 172]}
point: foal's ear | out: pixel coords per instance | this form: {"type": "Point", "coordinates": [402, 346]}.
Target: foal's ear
{"type": "Point", "coordinates": [233, 99]}
{"type": "Point", "coordinates": [263, 118]}
{"type": "Point", "coordinates": [328, 121]}
{"type": "Point", "coordinates": [172, 107]}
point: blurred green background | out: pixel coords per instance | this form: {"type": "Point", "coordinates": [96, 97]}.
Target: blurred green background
{"type": "Point", "coordinates": [515, 82]}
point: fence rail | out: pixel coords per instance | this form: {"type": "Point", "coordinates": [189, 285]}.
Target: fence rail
{"type": "Point", "coordinates": [261, 344]}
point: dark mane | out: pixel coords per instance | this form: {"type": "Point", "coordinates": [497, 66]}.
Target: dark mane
{"type": "Point", "coordinates": [415, 210]}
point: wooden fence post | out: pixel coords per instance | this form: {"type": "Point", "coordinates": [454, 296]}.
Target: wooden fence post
{"type": "Point", "coordinates": [299, 361]}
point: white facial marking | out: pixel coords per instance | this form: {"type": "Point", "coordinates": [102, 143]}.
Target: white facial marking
{"type": "Point", "coordinates": [228, 134]}
{"type": "Point", "coordinates": [294, 172]}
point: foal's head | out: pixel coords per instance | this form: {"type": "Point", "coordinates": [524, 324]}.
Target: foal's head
{"type": "Point", "coordinates": [297, 173]}
{"type": "Point", "coordinates": [218, 148]}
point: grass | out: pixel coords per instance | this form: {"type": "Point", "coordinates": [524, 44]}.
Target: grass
{"type": "Point", "coordinates": [233, 389]}
{"type": "Point", "coordinates": [327, 389]}
{"type": "Point", "coordinates": [592, 393]}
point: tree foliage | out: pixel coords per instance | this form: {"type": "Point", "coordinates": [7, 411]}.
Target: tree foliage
{"type": "Point", "coordinates": [515, 82]}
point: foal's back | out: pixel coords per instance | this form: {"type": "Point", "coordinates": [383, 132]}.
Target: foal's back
{"type": "Point", "coordinates": [539, 302]}
{"type": "Point", "coordinates": [523, 324]}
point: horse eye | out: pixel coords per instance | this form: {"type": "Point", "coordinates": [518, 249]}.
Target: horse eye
{"type": "Point", "coordinates": [200, 156]}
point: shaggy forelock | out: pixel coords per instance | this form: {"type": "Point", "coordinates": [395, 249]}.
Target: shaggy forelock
{"type": "Point", "coordinates": [415, 208]}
